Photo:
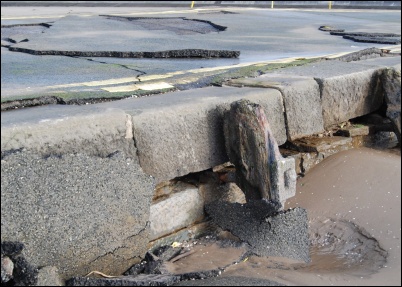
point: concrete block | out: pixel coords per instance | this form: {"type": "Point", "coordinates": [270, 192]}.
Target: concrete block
{"type": "Point", "coordinates": [301, 96]}
{"type": "Point", "coordinates": [182, 132]}
{"type": "Point", "coordinates": [348, 90]}
{"type": "Point", "coordinates": [76, 212]}
{"type": "Point", "coordinates": [322, 144]}
{"type": "Point", "coordinates": [391, 79]}
{"type": "Point", "coordinates": [180, 210]}
{"type": "Point", "coordinates": [283, 179]}
{"type": "Point", "coordinates": [353, 131]}
{"type": "Point", "coordinates": [60, 130]}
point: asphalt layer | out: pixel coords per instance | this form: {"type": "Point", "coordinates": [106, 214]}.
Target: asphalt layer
{"type": "Point", "coordinates": [87, 41]}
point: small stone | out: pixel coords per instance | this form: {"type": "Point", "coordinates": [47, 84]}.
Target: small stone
{"type": "Point", "coordinates": [7, 267]}
{"type": "Point", "coordinates": [49, 276]}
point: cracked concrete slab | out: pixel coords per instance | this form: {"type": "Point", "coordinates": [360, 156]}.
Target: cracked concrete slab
{"type": "Point", "coordinates": [75, 211]}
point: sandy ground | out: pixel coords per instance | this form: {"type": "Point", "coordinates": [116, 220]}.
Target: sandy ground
{"type": "Point", "coordinates": [353, 200]}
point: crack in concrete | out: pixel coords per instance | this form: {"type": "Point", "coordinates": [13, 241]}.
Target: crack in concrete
{"type": "Point", "coordinates": [122, 247]}
{"type": "Point", "coordinates": [121, 65]}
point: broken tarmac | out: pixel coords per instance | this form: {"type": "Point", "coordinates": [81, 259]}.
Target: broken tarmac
{"type": "Point", "coordinates": [70, 156]}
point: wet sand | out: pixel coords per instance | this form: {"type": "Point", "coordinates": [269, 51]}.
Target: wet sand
{"type": "Point", "coordinates": [353, 200]}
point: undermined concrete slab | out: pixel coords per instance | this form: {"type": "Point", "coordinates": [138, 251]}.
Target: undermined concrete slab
{"type": "Point", "coordinates": [179, 133]}
{"type": "Point", "coordinates": [347, 90]}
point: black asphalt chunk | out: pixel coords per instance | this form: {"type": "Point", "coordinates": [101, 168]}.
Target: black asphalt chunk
{"type": "Point", "coordinates": [139, 280]}
{"type": "Point", "coordinates": [269, 233]}
{"type": "Point", "coordinates": [365, 34]}
{"type": "Point", "coordinates": [376, 40]}
{"type": "Point", "coordinates": [10, 248]}
{"type": "Point", "coordinates": [185, 53]}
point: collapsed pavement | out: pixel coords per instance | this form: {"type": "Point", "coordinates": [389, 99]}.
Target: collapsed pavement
{"type": "Point", "coordinates": [46, 153]}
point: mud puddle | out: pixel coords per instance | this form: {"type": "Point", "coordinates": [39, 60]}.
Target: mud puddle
{"type": "Point", "coordinates": [339, 250]}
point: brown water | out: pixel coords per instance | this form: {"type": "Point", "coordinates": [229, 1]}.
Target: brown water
{"type": "Point", "coordinates": [353, 200]}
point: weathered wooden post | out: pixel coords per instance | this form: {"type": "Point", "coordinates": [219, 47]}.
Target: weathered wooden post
{"type": "Point", "coordinates": [261, 171]}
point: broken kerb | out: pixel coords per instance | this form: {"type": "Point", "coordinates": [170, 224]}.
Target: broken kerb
{"type": "Point", "coordinates": [261, 171]}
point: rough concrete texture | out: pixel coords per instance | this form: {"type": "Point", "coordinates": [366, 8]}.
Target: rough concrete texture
{"type": "Point", "coordinates": [301, 96]}
{"type": "Point", "coordinates": [348, 90]}
{"type": "Point", "coordinates": [49, 276]}
{"type": "Point", "coordinates": [391, 79]}
{"type": "Point", "coordinates": [283, 234]}
{"type": "Point", "coordinates": [182, 132]}
{"type": "Point", "coordinates": [283, 179]}
{"type": "Point", "coordinates": [261, 171]}
{"type": "Point", "coordinates": [179, 210]}
{"type": "Point", "coordinates": [76, 212]}
{"type": "Point", "coordinates": [66, 130]}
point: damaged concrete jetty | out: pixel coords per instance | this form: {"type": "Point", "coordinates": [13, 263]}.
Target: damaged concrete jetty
{"type": "Point", "coordinates": [84, 187]}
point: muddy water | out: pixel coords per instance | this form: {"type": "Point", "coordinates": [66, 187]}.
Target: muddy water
{"type": "Point", "coordinates": [353, 200]}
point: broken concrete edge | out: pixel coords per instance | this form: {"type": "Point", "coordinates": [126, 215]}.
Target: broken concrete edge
{"type": "Point", "coordinates": [185, 53]}
{"type": "Point", "coordinates": [75, 98]}
{"type": "Point", "coordinates": [47, 25]}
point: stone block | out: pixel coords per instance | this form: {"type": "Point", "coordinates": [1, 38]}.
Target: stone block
{"type": "Point", "coordinates": [179, 210]}
{"type": "Point", "coordinates": [61, 130]}
{"type": "Point", "coordinates": [348, 90]}
{"type": "Point", "coordinates": [283, 183]}
{"type": "Point", "coordinates": [182, 132]}
{"type": "Point", "coordinates": [391, 79]}
{"type": "Point", "coordinates": [301, 96]}
{"type": "Point", "coordinates": [321, 144]}
{"type": "Point", "coordinates": [353, 131]}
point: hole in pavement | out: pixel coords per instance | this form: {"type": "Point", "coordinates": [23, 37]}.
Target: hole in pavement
{"type": "Point", "coordinates": [18, 33]}
{"type": "Point", "coordinates": [178, 25]}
